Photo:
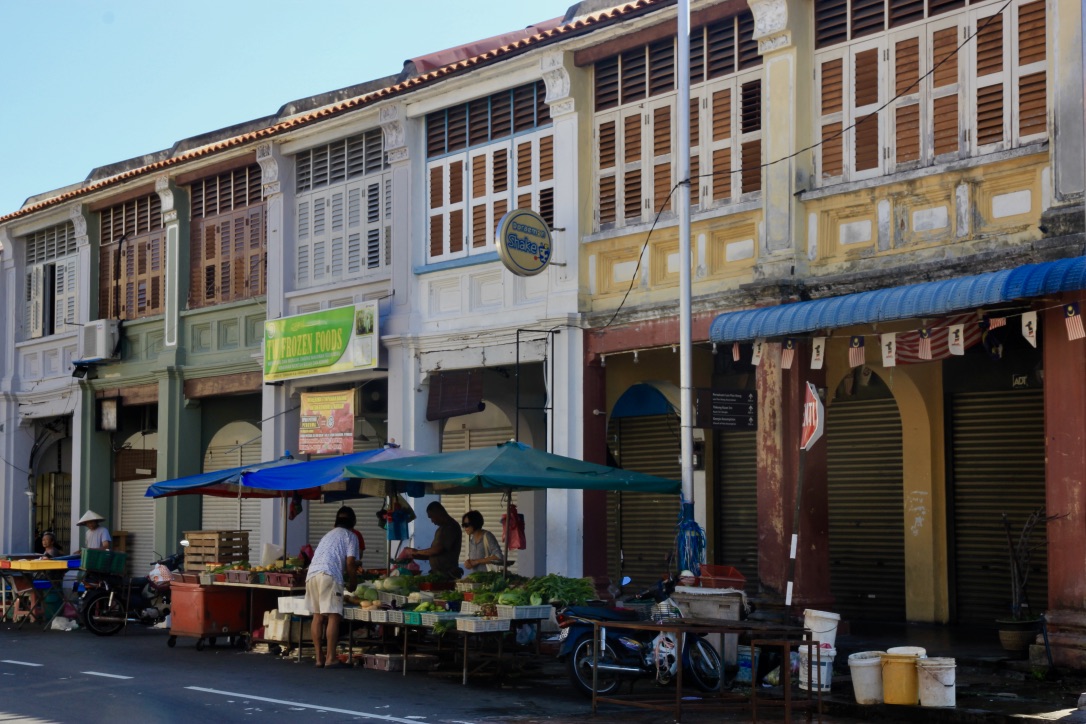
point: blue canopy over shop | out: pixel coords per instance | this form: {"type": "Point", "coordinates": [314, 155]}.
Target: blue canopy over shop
{"type": "Point", "coordinates": [910, 301]}
{"type": "Point", "coordinates": [222, 483]}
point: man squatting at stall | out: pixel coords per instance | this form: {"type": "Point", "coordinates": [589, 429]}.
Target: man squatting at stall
{"type": "Point", "coordinates": [445, 549]}
{"type": "Point", "coordinates": [338, 550]}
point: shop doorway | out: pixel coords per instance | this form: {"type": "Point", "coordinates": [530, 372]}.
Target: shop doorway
{"type": "Point", "coordinates": [735, 471]}
{"type": "Point", "coordinates": [237, 443]}
{"type": "Point", "coordinates": [133, 524]}
{"type": "Point", "coordinates": [866, 508]}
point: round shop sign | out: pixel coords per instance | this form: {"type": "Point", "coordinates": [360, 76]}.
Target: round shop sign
{"type": "Point", "coordinates": [524, 242]}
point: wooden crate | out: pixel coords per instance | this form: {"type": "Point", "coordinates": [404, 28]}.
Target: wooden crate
{"type": "Point", "coordinates": [215, 546]}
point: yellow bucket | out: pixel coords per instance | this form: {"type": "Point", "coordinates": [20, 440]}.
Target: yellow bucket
{"type": "Point", "coordinates": [900, 684]}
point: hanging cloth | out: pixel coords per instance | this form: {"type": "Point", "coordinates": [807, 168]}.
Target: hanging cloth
{"type": "Point", "coordinates": [397, 517]}
{"type": "Point", "coordinates": [513, 529]}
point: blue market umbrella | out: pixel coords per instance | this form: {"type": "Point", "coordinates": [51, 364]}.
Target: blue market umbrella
{"type": "Point", "coordinates": [222, 483]}
{"type": "Point", "coordinates": [327, 474]}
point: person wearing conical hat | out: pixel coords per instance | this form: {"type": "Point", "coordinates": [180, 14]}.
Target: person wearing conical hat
{"type": "Point", "coordinates": [97, 536]}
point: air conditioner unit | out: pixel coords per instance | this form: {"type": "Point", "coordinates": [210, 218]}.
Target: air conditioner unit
{"type": "Point", "coordinates": [100, 340]}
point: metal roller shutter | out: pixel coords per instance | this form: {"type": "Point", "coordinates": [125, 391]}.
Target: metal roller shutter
{"type": "Point", "coordinates": [736, 472]}
{"type": "Point", "coordinates": [137, 518]}
{"type": "Point", "coordinates": [866, 509]}
{"type": "Point", "coordinates": [222, 513]}
{"type": "Point", "coordinates": [490, 505]}
{"type": "Point", "coordinates": [322, 516]}
{"type": "Point", "coordinates": [642, 525]}
{"type": "Point", "coordinates": [997, 466]}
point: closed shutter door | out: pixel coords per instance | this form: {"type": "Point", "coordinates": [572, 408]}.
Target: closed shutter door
{"type": "Point", "coordinates": [222, 513]}
{"type": "Point", "coordinates": [322, 516]}
{"type": "Point", "coordinates": [737, 495]}
{"type": "Point", "coordinates": [490, 505]}
{"type": "Point", "coordinates": [997, 466]}
{"type": "Point", "coordinates": [641, 526]}
{"type": "Point", "coordinates": [137, 518]}
{"type": "Point", "coordinates": [866, 512]}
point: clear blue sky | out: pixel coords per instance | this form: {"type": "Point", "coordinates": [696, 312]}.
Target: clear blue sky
{"type": "Point", "coordinates": [84, 83]}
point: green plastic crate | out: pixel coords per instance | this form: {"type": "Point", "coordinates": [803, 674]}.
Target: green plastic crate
{"type": "Point", "coordinates": [100, 561]}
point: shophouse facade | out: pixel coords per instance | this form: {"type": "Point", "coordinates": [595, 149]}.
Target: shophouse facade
{"type": "Point", "coordinates": [840, 148]}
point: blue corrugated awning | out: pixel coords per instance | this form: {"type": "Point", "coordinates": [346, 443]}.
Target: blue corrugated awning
{"type": "Point", "coordinates": [928, 299]}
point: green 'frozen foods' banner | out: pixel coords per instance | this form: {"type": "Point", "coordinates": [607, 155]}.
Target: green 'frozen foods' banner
{"type": "Point", "coordinates": [343, 339]}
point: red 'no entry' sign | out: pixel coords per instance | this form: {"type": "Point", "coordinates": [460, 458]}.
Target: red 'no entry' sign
{"type": "Point", "coordinates": [813, 418]}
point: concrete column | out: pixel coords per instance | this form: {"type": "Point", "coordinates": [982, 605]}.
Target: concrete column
{"type": "Point", "coordinates": [175, 217]}
{"type": "Point", "coordinates": [16, 440]}
{"type": "Point", "coordinates": [11, 322]}
{"type": "Point", "coordinates": [594, 503]}
{"type": "Point", "coordinates": [781, 31]}
{"type": "Point", "coordinates": [92, 462]}
{"type": "Point", "coordinates": [179, 454]}
{"type": "Point", "coordinates": [1065, 488]}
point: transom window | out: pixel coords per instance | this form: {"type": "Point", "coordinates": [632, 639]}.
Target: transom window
{"type": "Point", "coordinates": [339, 161]}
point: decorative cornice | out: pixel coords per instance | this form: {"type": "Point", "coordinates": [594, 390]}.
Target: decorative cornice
{"type": "Point", "coordinates": [770, 24]}
{"type": "Point", "coordinates": [165, 193]}
{"type": "Point", "coordinates": [394, 132]}
{"type": "Point", "coordinates": [556, 78]}
{"type": "Point", "coordinates": [79, 221]}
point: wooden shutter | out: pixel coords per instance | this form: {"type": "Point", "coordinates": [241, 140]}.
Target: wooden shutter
{"type": "Point", "coordinates": [447, 207]}
{"type": "Point", "coordinates": [696, 182]}
{"type": "Point", "coordinates": [865, 104]}
{"type": "Point", "coordinates": [606, 171]}
{"type": "Point", "coordinates": [751, 138]}
{"type": "Point", "coordinates": [142, 275]}
{"type": "Point", "coordinates": [606, 83]}
{"type": "Point", "coordinates": [633, 73]}
{"type": "Point", "coordinates": [35, 300]}
{"type": "Point", "coordinates": [1032, 80]}
{"type": "Point", "coordinates": [662, 66]}
{"type": "Point", "coordinates": [720, 48]}
{"type": "Point", "coordinates": [990, 80]}
{"type": "Point", "coordinates": [490, 185]}
{"type": "Point", "coordinates": [903, 12]}
{"type": "Point", "coordinates": [228, 257]}
{"type": "Point", "coordinates": [720, 143]}
{"type": "Point", "coordinates": [831, 22]}
{"type": "Point", "coordinates": [867, 17]}
{"type": "Point", "coordinates": [632, 191]}
{"type": "Point", "coordinates": [66, 295]}
{"type": "Point", "coordinates": [946, 84]}
{"type": "Point", "coordinates": [747, 50]}
{"type": "Point", "coordinates": [907, 91]}
{"type": "Point", "coordinates": [832, 113]}
{"type": "Point", "coordinates": [661, 129]}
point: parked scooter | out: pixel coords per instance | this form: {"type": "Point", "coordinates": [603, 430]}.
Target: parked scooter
{"type": "Point", "coordinates": [109, 601]}
{"type": "Point", "coordinates": [630, 654]}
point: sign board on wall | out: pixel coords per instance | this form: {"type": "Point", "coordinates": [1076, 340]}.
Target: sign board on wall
{"type": "Point", "coordinates": [726, 409]}
{"type": "Point", "coordinates": [524, 242]}
{"type": "Point", "coordinates": [343, 339]}
{"type": "Point", "coordinates": [327, 422]}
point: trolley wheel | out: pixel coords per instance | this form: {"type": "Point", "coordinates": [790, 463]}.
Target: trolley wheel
{"type": "Point", "coordinates": [199, 644]}
{"type": "Point", "coordinates": [171, 641]}
{"type": "Point", "coordinates": [211, 641]}
{"type": "Point", "coordinates": [275, 649]}
{"type": "Point", "coordinates": [242, 642]}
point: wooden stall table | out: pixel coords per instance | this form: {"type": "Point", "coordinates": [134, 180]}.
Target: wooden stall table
{"type": "Point", "coordinates": [767, 634]}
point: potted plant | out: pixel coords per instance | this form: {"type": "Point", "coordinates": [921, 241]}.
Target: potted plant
{"type": "Point", "coordinates": [1017, 632]}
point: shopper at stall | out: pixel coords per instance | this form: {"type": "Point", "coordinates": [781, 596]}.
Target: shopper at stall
{"type": "Point", "coordinates": [49, 545]}
{"type": "Point", "coordinates": [483, 547]}
{"type": "Point", "coordinates": [97, 536]}
{"type": "Point", "coordinates": [336, 553]}
{"type": "Point", "coordinates": [445, 548]}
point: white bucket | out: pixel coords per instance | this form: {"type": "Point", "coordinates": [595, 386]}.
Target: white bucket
{"type": "Point", "coordinates": [936, 679]}
{"type": "Point", "coordinates": [822, 673]}
{"type": "Point", "coordinates": [823, 625]}
{"type": "Point", "coordinates": [866, 669]}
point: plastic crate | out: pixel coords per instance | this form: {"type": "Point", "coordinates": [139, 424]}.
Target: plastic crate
{"type": "Point", "coordinates": [352, 613]}
{"type": "Point", "coordinates": [714, 576]}
{"type": "Point", "coordinates": [390, 598]}
{"type": "Point", "coordinates": [394, 615]}
{"type": "Point", "coordinates": [236, 576]}
{"type": "Point", "coordinates": [482, 625]}
{"type": "Point", "coordinates": [469, 608]}
{"type": "Point", "coordinates": [286, 579]}
{"type": "Point", "coordinates": [466, 585]}
{"type": "Point", "coordinates": [412, 618]}
{"type": "Point", "coordinates": [524, 611]}
{"type": "Point", "coordinates": [379, 615]}
{"type": "Point", "coordinates": [182, 577]}
{"type": "Point", "coordinates": [100, 561]}
{"type": "Point", "coordinates": [429, 619]}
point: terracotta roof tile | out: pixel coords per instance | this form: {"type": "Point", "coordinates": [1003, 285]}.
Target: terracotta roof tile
{"type": "Point", "coordinates": [586, 23]}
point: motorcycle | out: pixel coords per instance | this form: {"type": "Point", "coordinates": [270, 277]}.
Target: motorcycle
{"type": "Point", "coordinates": [629, 654]}
{"type": "Point", "coordinates": [109, 601]}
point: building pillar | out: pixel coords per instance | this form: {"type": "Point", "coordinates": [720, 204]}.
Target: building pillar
{"type": "Point", "coordinates": [594, 503]}
{"type": "Point", "coordinates": [179, 454]}
{"type": "Point", "coordinates": [175, 219]}
{"type": "Point", "coordinates": [16, 441]}
{"type": "Point", "coordinates": [92, 458]}
{"type": "Point", "coordinates": [1065, 488]}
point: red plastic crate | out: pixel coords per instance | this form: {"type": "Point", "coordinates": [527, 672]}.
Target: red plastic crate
{"type": "Point", "coordinates": [287, 579]}
{"type": "Point", "coordinates": [715, 576]}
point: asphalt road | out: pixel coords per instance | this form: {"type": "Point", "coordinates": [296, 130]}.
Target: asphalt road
{"type": "Point", "coordinates": [75, 676]}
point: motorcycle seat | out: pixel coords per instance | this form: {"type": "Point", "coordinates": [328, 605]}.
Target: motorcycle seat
{"type": "Point", "coordinates": [604, 613]}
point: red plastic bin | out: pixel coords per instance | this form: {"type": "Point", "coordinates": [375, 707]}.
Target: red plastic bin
{"type": "Point", "coordinates": [715, 576]}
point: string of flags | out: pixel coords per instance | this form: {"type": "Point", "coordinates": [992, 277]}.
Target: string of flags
{"type": "Point", "coordinates": [951, 336]}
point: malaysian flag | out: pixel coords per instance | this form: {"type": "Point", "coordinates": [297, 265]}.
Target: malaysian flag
{"type": "Point", "coordinates": [889, 349]}
{"type": "Point", "coordinates": [1073, 318]}
{"type": "Point", "coordinates": [735, 351]}
{"type": "Point", "coordinates": [996, 322]}
{"type": "Point", "coordinates": [925, 344]}
{"type": "Point", "coordinates": [818, 352]}
{"type": "Point", "coordinates": [788, 353]}
{"type": "Point", "coordinates": [1029, 327]}
{"type": "Point", "coordinates": [759, 345]}
{"type": "Point", "coordinates": [855, 350]}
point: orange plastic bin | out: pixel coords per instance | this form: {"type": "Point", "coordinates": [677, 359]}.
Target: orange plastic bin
{"type": "Point", "coordinates": [207, 612]}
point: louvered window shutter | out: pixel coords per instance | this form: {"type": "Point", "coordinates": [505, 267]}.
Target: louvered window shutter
{"type": "Point", "coordinates": [866, 96]}
{"type": "Point", "coordinates": [721, 147]}
{"type": "Point", "coordinates": [751, 136]}
{"type": "Point", "coordinates": [490, 190]}
{"type": "Point", "coordinates": [447, 203]}
{"type": "Point", "coordinates": [830, 83]}
{"type": "Point", "coordinates": [697, 184]}
{"type": "Point", "coordinates": [867, 17]}
{"type": "Point", "coordinates": [303, 248]}
{"type": "Point", "coordinates": [991, 81]}
{"type": "Point", "coordinates": [607, 175]}
{"type": "Point", "coordinates": [831, 22]}
{"type": "Point", "coordinates": [661, 129]}
{"type": "Point", "coordinates": [66, 295]}
{"type": "Point", "coordinates": [35, 298]}
{"type": "Point", "coordinates": [905, 65]}
{"type": "Point", "coordinates": [1032, 80]}
{"type": "Point", "coordinates": [945, 87]}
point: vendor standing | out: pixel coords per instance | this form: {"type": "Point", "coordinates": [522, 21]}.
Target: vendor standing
{"type": "Point", "coordinates": [445, 548]}
{"type": "Point", "coordinates": [483, 547]}
{"type": "Point", "coordinates": [97, 536]}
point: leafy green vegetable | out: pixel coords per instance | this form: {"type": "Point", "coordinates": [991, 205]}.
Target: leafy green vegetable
{"type": "Point", "coordinates": [553, 588]}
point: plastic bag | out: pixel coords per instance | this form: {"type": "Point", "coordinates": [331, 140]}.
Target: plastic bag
{"type": "Point", "coordinates": [513, 529]}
